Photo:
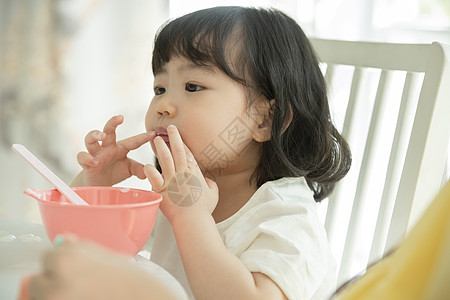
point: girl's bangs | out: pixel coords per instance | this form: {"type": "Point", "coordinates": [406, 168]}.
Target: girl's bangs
{"type": "Point", "coordinates": [200, 38]}
{"type": "Point", "coordinates": [182, 45]}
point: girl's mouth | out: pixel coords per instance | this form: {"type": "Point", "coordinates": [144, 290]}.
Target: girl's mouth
{"type": "Point", "coordinates": [164, 137]}
{"type": "Point", "coordinates": [162, 132]}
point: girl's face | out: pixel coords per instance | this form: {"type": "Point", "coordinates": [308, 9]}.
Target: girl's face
{"type": "Point", "coordinates": [209, 110]}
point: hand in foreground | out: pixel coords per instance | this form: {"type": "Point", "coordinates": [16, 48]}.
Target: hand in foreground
{"type": "Point", "coordinates": [107, 163]}
{"type": "Point", "coordinates": [82, 270]}
{"type": "Point", "coordinates": [181, 183]}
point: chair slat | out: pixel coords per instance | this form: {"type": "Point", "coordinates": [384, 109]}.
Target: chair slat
{"type": "Point", "coordinates": [329, 74]}
{"type": "Point", "coordinates": [396, 159]}
{"type": "Point", "coordinates": [362, 191]}
{"type": "Point", "coordinates": [355, 94]}
{"type": "Point", "coordinates": [427, 149]}
{"type": "Point", "coordinates": [335, 198]}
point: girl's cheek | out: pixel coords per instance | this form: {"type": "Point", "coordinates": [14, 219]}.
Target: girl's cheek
{"type": "Point", "coordinates": [147, 121]}
{"type": "Point", "coordinates": [190, 135]}
{"type": "Point", "coordinates": [150, 115]}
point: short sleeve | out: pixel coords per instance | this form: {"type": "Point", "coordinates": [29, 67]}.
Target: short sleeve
{"type": "Point", "coordinates": [280, 235]}
{"type": "Point", "coordinates": [293, 255]}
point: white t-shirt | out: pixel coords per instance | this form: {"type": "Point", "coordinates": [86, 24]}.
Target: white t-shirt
{"type": "Point", "coordinates": [277, 233]}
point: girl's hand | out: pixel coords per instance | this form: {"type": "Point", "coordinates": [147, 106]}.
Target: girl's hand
{"type": "Point", "coordinates": [82, 270]}
{"type": "Point", "coordinates": [181, 183]}
{"type": "Point", "coordinates": [107, 163]}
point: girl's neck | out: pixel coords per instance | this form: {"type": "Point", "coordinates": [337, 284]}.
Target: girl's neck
{"type": "Point", "coordinates": [234, 191]}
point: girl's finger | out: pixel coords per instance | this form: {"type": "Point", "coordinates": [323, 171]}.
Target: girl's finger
{"type": "Point", "coordinates": [92, 141]}
{"type": "Point", "coordinates": [191, 161]}
{"type": "Point", "coordinates": [155, 178]}
{"type": "Point", "coordinates": [110, 130]}
{"type": "Point", "coordinates": [134, 142]}
{"type": "Point", "coordinates": [189, 156]}
{"type": "Point", "coordinates": [164, 157]}
{"type": "Point", "coordinates": [177, 148]}
{"type": "Point", "coordinates": [136, 169]}
{"type": "Point", "coordinates": [211, 184]}
{"type": "Point", "coordinates": [86, 160]}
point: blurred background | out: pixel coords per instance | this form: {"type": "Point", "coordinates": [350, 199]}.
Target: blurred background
{"type": "Point", "coordinates": [67, 66]}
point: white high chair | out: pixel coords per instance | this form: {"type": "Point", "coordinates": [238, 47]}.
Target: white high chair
{"type": "Point", "coordinates": [392, 104]}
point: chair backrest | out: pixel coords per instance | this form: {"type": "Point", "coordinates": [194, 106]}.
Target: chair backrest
{"type": "Point", "coordinates": [392, 103]}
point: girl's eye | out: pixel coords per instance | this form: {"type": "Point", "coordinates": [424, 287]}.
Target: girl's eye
{"type": "Point", "coordinates": [159, 90]}
{"type": "Point", "coordinates": [190, 87]}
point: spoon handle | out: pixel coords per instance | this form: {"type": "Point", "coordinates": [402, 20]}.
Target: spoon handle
{"type": "Point", "coordinates": [48, 174]}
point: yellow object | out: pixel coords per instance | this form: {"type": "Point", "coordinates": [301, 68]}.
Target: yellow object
{"type": "Point", "coordinates": [419, 268]}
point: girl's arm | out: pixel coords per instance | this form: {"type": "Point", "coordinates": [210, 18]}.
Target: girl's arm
{"type": "Point", "coordinates": [212, 271]}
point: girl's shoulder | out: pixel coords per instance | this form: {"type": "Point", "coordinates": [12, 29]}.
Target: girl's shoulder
{"type": "Point", "coordinates": [275, 199]}
{"type": "Point", "coordinates": [286, 189]}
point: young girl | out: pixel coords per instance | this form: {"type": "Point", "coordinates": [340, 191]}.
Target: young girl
{"type": "Point", "coordinates": [241, 128]}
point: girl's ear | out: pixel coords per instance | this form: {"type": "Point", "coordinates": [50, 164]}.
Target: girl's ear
{"type": "Point", "coordinates": [262, 113]}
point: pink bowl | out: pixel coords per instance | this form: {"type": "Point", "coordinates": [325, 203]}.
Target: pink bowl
{"type": "Point", "coordinates": [118, 218]}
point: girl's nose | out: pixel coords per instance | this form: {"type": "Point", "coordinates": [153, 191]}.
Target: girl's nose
{"type": "Point", "coordinates": [166, 106]}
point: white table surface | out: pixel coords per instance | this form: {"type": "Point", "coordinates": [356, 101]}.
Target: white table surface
{"type": "Point", "coordinates": [22, 245]}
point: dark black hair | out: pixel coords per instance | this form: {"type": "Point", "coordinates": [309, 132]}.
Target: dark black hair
{"type": "Point", "coordinates": [274, 59]}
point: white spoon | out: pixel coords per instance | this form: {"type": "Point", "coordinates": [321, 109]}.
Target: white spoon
{"type": "Point", "coordinates": [48, 174]}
